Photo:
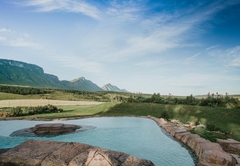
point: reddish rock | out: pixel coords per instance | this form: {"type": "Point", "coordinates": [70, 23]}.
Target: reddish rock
{"type": "Point", "coordinates": [218, 157]}
{"type": "Point", "coordinates": [51, 153]}
{"type": "Point", "coordinates": [162, 121]}
{"type": "Point", "coordinates": [230, 145]}
{"type": "Point", "coordinates": [179, 136]}
{"type": "Point", "coordinates": [196, 144]}
{"type": "Point", "coordinates": [186, 137]}
{"type": "Point", "coordinates": [53, 128]}
{"type": "Point", "coordinates": [30, 153]}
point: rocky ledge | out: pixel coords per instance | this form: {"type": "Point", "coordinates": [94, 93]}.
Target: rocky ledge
{"type": "Point", "coordinates": [52, 129]}
{"type": "Point", "coordinates": [222, 153]}
{"type": "Point", "coordinates": [46, 153]}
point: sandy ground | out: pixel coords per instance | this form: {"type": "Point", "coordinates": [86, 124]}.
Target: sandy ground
{"type": "Point", "coordinates": [41, 102]}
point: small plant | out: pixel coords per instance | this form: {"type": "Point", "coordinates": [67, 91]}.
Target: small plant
{"type": "Point", "coordinates": [164, 115]}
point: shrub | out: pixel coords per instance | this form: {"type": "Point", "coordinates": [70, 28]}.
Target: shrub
{"type": "Point", "coordinates": [19, 111]}
{"type": "Point", "coordinates": [165, 115]}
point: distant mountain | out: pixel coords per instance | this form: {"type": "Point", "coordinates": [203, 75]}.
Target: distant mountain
{"type": "Point", "coordinates": [82, 83]}
{"type": "Point", "coordinates": [109, 87]}
{"type": "Point", "coordinates": [21, 73]}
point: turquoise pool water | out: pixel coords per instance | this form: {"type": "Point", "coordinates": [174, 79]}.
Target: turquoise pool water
{"type": "Point", "coordinates": [139, 137]}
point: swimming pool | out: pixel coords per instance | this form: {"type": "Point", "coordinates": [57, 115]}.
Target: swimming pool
{"type": "Point", "coordinates": [139, 137]}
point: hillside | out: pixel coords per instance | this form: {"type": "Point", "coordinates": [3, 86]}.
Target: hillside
{"type": "Point", "coordinates": [21, 73]}
{"type": "Point", "coordinates": [109, 87]}
{"type": "Point", "coordinates": [82, 84]}
{"type": "Point", "coordinates": [24, 74]}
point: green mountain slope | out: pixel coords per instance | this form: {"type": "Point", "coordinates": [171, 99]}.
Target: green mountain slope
{"type": "Point", "coordinates": [21, 73]}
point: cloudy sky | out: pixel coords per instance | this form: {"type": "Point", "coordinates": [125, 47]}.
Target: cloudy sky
{"type": "Point", "coordinates": [181, 47]}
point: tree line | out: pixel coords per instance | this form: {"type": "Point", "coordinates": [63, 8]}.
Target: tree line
{"type": "Point", "coordinates": [212, 101]}
{"type": "Point", "coordinates": [23, 90]}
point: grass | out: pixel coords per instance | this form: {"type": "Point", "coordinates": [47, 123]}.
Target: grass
{"type": "Point", "coordinates": [211, 136]}
{"type": "Point", "coordinates": [72, 111]}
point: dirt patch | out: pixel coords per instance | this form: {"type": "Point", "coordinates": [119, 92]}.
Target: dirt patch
{"type": "Point", "coordinates": [42, 102]}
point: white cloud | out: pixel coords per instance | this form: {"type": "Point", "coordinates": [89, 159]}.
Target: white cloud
{"type": "Point", "coordinates": [201, 80]}
{"type": "Point", "coordinates": [73, 6]}
{"type": "Point", "coordinates": [80, 64]}
{"type": "Point", "coordinates": [12, 38]}
{"type": "Point", "coordinates": [2, 38]}
{"type": "Point", "coordinates": [148, 63]}
{"type": "Point", "coordinates": [212, 47]}
{"type": "Point", "coordinates": [156, 33]}
{"type": "Point", "coordinates": [189, 59]}
{"type": "Point", "coordinates": [229, 57]}
{"type": "Point", "coordinates": [235, 62]}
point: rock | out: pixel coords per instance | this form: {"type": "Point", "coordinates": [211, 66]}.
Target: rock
{"type": "Point", "coordinates": [196, 144]}
{"type": "Point", "coordinates": [217, 157]}
{"type": "Point", "coordinates": [236, 158]}
{"type": "Point", "coordinates": [46, 129]}
{"type": "Point", "coordinates": [4, 150]}
{"type": "Point", "coordinates": [230, 145]}
{"type": "Point", "coordinates": [51, 153]}
{"type": "Point", "coordinates": [53, 128]}
{"type": "Point", "coordinates": [30, 153]}
{"type": "Point", "coordinates": [186, 137]}
{"type": "Point", "coordinates": [179, 135]}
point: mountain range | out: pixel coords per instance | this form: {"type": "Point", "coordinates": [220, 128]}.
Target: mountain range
{"type": "Point", "coordinates": [20, 73]}
{"type": "Point", "coordinates": [109, 87]}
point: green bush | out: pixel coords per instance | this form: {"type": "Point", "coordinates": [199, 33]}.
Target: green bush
{"type": "Point", "coordinates": [21, 111]}
{"type": "Point", "coordinates": [17, 111]}
{"type": "Point", "coordinates": [165, 115]}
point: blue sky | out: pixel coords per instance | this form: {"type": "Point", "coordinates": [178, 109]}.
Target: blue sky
{"type": "Point", "coordinates": [181, 47]}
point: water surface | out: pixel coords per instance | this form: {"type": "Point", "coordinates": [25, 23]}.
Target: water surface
{"type": "Point", "coordinates": [139, 137]}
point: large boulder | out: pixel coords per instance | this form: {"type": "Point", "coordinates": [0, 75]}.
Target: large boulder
{"type": "Point", "coordinates": [51, 153]}
{"type": "Point", "coordinates": [53, 128]}
{"type": "Point", "coordinates": [230, 145]}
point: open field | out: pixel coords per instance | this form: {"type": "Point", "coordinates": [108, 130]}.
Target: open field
{"type": "Point", "coordinates": [42, 102]}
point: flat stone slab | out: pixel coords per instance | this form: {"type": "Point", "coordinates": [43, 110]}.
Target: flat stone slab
{"type": "Point", "coordinates": [52, 153]}
{"type": "Point", "coordinates": [49, 129]}
{"type": "Point", "coordinates": [53, 128]}
{"type": "Point", "coordinates": [230, 145]}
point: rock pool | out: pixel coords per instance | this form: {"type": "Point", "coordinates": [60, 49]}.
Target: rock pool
{"type": "Point", "coordinates": [139, 137]}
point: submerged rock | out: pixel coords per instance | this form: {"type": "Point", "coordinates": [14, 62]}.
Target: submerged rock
{"type": "Point", "coordinates": [34, 152]}
{"type": "Point", "coordinates": [53, 128]}
{"type": "Point", "coordinates": [49, 129]}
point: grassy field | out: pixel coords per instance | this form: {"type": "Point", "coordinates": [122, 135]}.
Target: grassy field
{"type": "Point", "coordinates": [42, 102]}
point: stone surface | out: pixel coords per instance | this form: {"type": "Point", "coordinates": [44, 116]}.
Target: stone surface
{"type": "Point", "coordinates": [217, 157]}
{"type": "Point", "coordinates": [4, 150]}
{"type": "Point", "coordinates": [51, 153]}
{"type": "Point", "coordinates": [230, 145]}
{"type": "Point", "coordinates": [53, 128]}
{"type": "Point", "coordinates": [49, 132]}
